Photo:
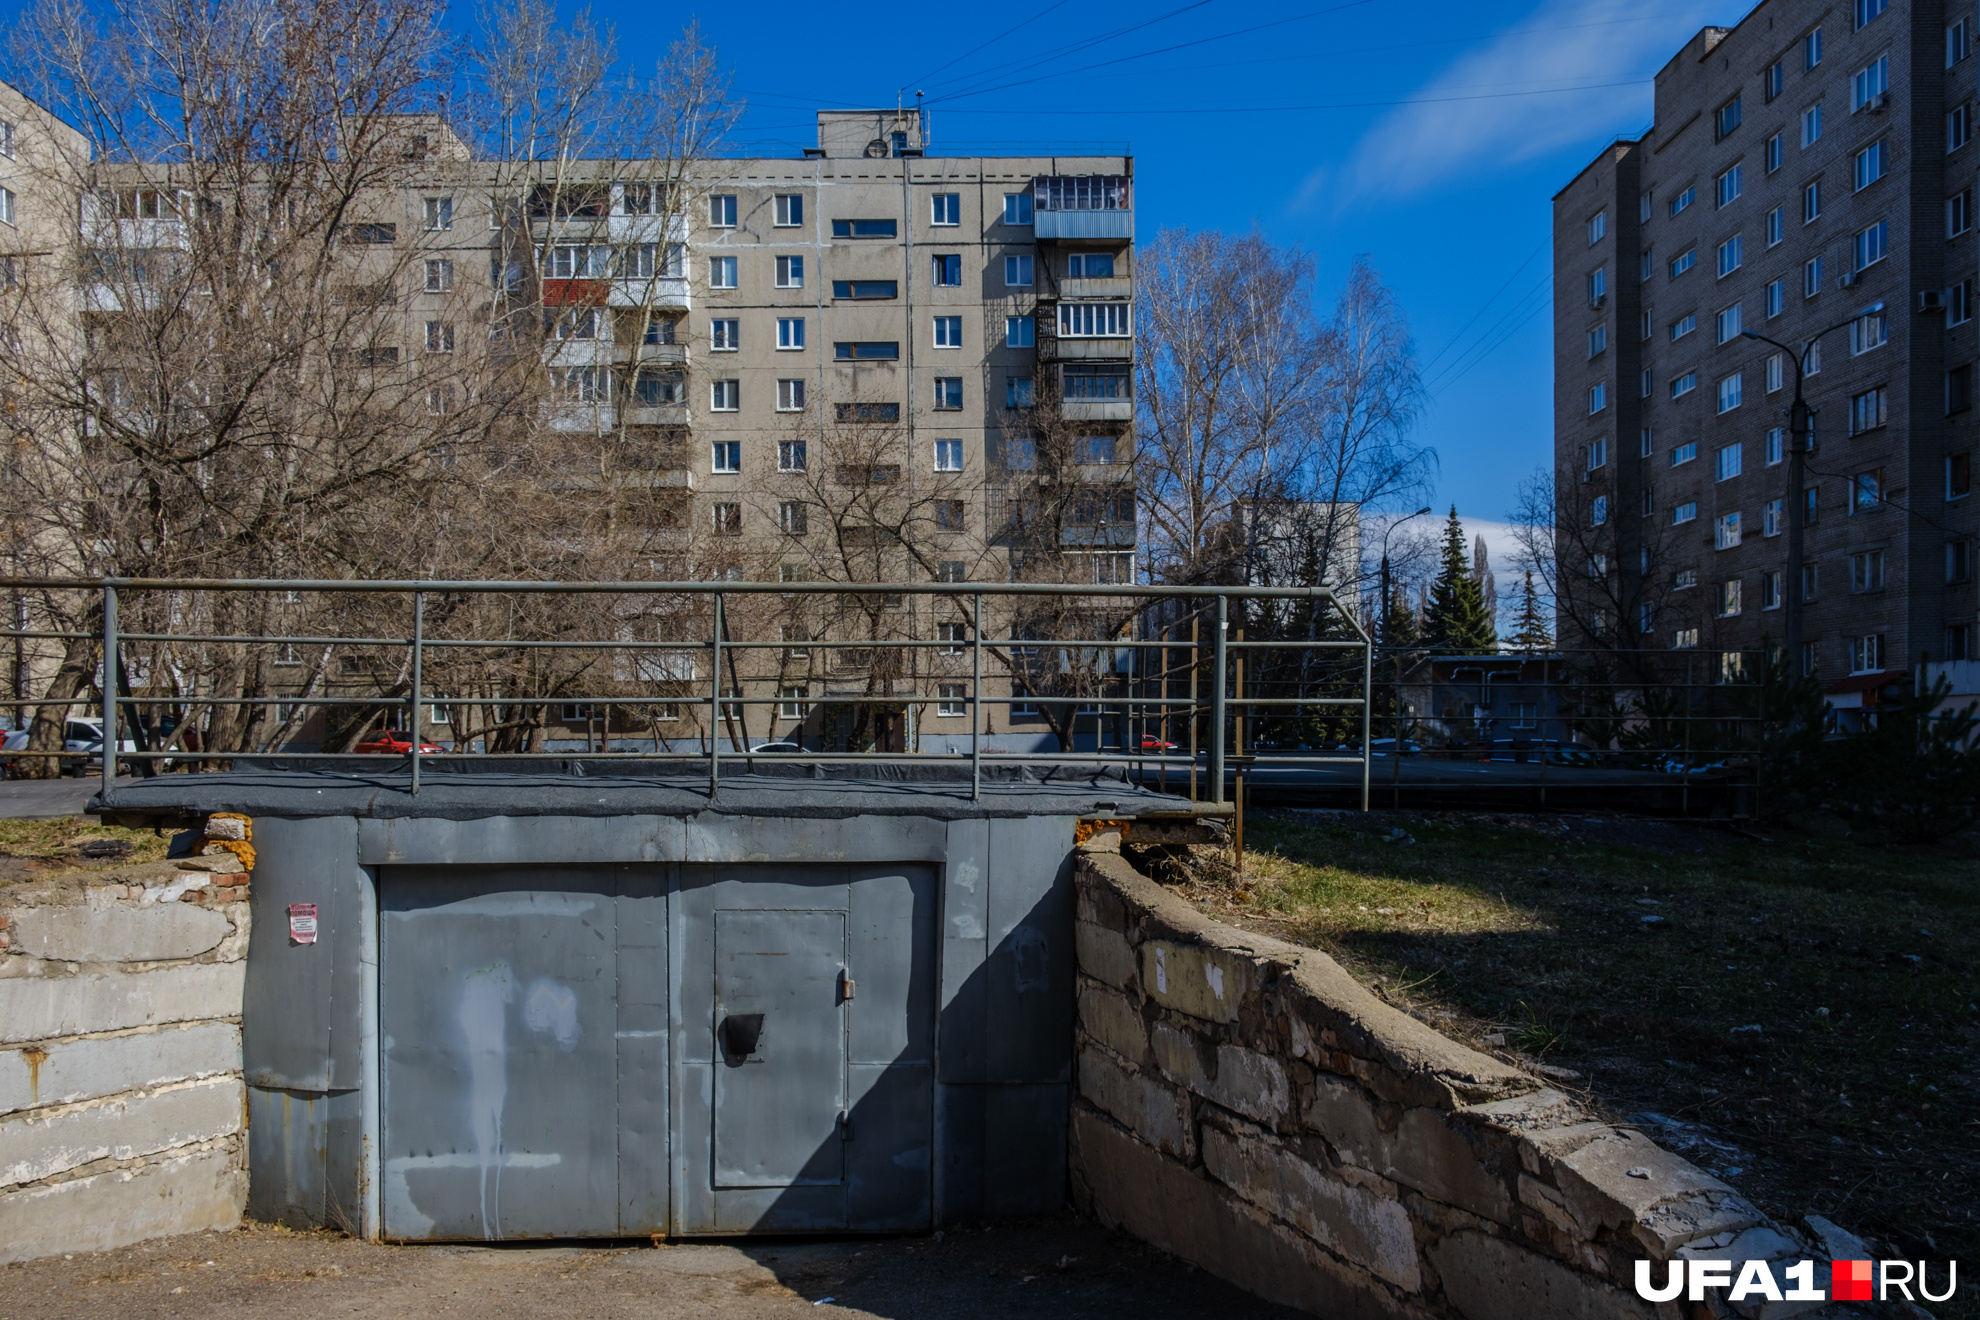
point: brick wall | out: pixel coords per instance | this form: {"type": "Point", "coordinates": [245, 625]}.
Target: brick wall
{"type": "Point", "coordinates": [1246, 1105]}
{"type": "Point", "coordinates": [121, 1099]}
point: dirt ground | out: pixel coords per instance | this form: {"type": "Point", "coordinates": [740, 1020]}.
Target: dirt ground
{"type": "Point", "coordinates": [1063, 1266]}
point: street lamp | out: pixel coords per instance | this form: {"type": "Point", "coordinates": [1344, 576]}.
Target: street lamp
{"type": "Point", "coordinates": [1382, 610]}
{"type": "Point", "coordinates": [1801, 438]}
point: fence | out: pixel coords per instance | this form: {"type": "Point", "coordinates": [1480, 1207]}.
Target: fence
{"type": "Point", "coordinates": [1153, 679]}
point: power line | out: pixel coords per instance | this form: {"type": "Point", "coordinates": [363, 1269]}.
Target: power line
{"type": "Point", "coordinates": [1078, 48]}
{"type": "Point", "coordinates": [1486, 305]}
{"type": "Point", "coordinates": [1289, 109]}
{"type": "Point", "coordinates": [1484, 345]}
{"type": "Point", "coordinates": [916, 82]}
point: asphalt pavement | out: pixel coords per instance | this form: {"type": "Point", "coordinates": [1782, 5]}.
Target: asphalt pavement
{"type": "Point", "coordinates": [45, 799]}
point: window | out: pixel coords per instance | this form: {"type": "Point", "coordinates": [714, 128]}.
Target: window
{"type": "Point", "coordinates": [1090, 266]}
{"type": "Point", "coordinates": [1776, 445]}
{"type": "Point", "coordinates": [1959, 476]}
{"type": "Point", "coordinates": [1866, 10]}
{"type": "Point", "coordinates": [1959, 41]}
{"type": "Point", "coordinates": [1727, 323]}
{"type": "Point", "coordinates": [376, 235]}
{"type": "Point", "coordinates": [1598, 227]}
{"type": "Point", "coordinates": [1646, 442]}
{"type": "Point", "coordinates": [790, 333]}
{"type": "Point", "coordinates": [728, 519]}
{"type": "Point", "coordinates": [1771, 514]}
{"type": "Point", "coordinates": [948, 332]}
{"type": "Point", "coordinates": [1811, 277]}
{"type": "Point", "coordinates": [439, 213]}
{"type": "Point", "coordinates": [866, 351]}
{"type": "Point", "coordinates": [723, 395]}
{"type": "Point", "coordinates": [1684, 579]}
{"type": "Point", "coordinates": [1017, 208]}
{"type": "Point", "coordinates": [945, 209]}
{"type": "Point", "coordinates": [440, 400]}
{"type": "Point", "coordinates": [1729, 258]}
{"type": "Point", "coordinates": [1867, 411]}
{"type": "Point", "coordinates": [726, 456]}
{"type": "Point", "coordinates": [1868, 332]}
{"type": "Point", "coordinates": [723, 335]}
{"type": "Point", "coordinates": [1684, 384]}
{"type": "Point", "coordinates": [1725, 532]}
{"type": "Point", "coordinates": [1598, 286]}
{"type": "Point", "coordinates": [1770, 589]}
{"type": "Point", "coordinates": [1020, 455]}
{"type": "Point", "coordinates": [865, 290]}
{"type": "Point", "coordinates": [1869, 164]}
{"type": "Point", "coordinates": [1646, 383]}
{"type": "Point", "coordinates": [1727, 118]}
{"type": "Point", "coordinates": [947, 271]}
{"type": "Point", "coordinates": [1776, 298]}
{"type": "Point", "coordinates": [1811, 505]}
{"type": "Point", "coordinates": [1775, 372]}
{"type": "Point", "coordinates": [1866, 571]}
{"type": "Point", "coordinates": [1598, 397]}
{"type": "Point", "coordinates": [1643, 330]}
{"type": "Point", "coordinates": [586, 324]}
{"type": "Point", "coordinates": [787, 210]}
{"type": "Point", "coordinates": [1866, 491]}
{"type": "Point", "coordinates": [948, 456]}
{"type": "Point", "coordinates": [1811, 202]}
{"type": "Point", "coordinates": [1684, 261]}
{"type": "Point", "coordinates": [439, 336]}
{"type": "Point", "coordinates": [1869, 84]}
{"type": "Point", "coordinates": [953, 698]}
{"type": "Point", "coordinates": [653, 390]}
{"type": "Point", "coordinates": [790, 273]}
{"type": "Point", "coordinates": [1684, 639]}
{"type": "Point", "coordinates": [1019, 332]}
{"type": "Point", "coordinates": [721, 272]}
{"type": "Point", "coordinates": [1728, 186]}
{"type": "Point", "coordinates": [869, 412]}
{"type": "Point", "coordinates": [1811, 49]}
{"type": "Point", "coordinates": [791, 456]}
{"type": "Point", "coordinates": [791, 705]}
{"type": "Point", "coordinates": [7, 129]}
{"type": "Point", "coordinates": [1959, 561]}
{"type": "Point", "coordinates": [1098, 380]}
{"type": "Point", "coordinates": [439, 275]}
{"type": "Point", "coordinates": [722, 211]}
{"type": "Point", "coordinates": [1684, 325]}
{"type": "Point", "coordinates": [1097, 450]}
{"type": "Point", "coordinates": [1866, 654]}
{"type": "Point", "coordinates": [1959, 303]}
{"type": "Point", "coordinates": [1091, 320]}
{"type": "Point", "coordinates": [659, 330]}
{"type": "Point", "coordinates": [1726, 600]}
{"type": "Point", "coordinates": [865, 229]}
{"type": "Point", "coordinates": [1648, 503]}
{"type": "Point", "coordinates": [1728, 464]}
{"type": "Point", "coordinates": [1776, 226]}
{"type": "Point", "coordinates": [1598, 511]}
{"type": "Point", "coordinates": [1018, 392]}
{"type": "Point", "coordinates": [1017, 272]}
{"type": "Point", "coordinates": [1770, 81]}
{"type": "Point", "coordinates": [1684, 199]}
{"type": "Point", "coordinates": [1598, 454]}
{"type": "Point", "coordinates": [1684, 513]}
{"type": "Point", "coordinates": [1645, 266]}
{"type": "Point", "coordinates": [1959, 389]}
{"type": "Point", "coordinates": [1959, 213]}
{"type": "Point", "coordinates": [948, 394]}
{"type": "Point", "coordinates": [1643, 207]}
{"type": "Point", "coordinates": [1730, 392]}
{"type": "Point", "coordinates": [1959, 641]}
{"type": "Point", "coordinates": [1872, 245]}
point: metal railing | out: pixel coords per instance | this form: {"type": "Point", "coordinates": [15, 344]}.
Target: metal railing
{"type": "Point", "coordinates": [1127, 687]}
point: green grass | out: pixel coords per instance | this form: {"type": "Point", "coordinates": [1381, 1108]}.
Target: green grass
{"type": "Point", "coordinates": [1855, 1099]}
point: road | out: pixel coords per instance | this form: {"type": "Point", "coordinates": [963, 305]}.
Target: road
{"type": "Point", "coordinates": [37, 799]}
{"type": "Point", "coordinates": [1433, 780]}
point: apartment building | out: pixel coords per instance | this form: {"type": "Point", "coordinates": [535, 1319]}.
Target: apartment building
{"type": "Point", "coordinates": [1810, 178]}
{"type": "Point", "coordinates": [867, 362]}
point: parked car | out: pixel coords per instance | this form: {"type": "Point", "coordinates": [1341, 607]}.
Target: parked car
{"type": "Point", "coordinates": [394, 742]}
{"type": "Point", "coordinates": [775, 749]}
{"type": "Point", "coordinates": [1153, 746]}
{"type": "Point", "coordinates": [1387, 746]}
{"type": "Point", "coordinates": [82, 737]}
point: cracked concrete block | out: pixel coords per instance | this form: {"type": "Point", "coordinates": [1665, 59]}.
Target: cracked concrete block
{"type": "Point", "coordinates": [68, 1071]}
{"type": "Point", "coordinates": [1344, 1114]}
{"type": "Point", "coordinates": [1204, 983]}
{"type": "Point", "coordinates": [1111, 1020]}
{"type": "Point", "coordinates": [41, 1007]}
{"type": "Point", "coordinates": [1498, 1280]}
{"type": "Point", "coordinates": [1626, 1181]}
{"type": "Point", "coordinates": [1251, 1083]}
{"type": "Point", "coordinates": [1434, 1159]}
{"type": "Point", "coordinates": [35, 1146]}
{"type": "Point", "coordinates": [186, 1194]}
{"type": "Point", "coordinates": [1352, 1222]}
{"type": "Point", "coordinates": [1104, 954]}
{"type": "Point", "coordinates": [1176, 1054]}
{"type": "Point", "coordinates": [1156, 1113]}
{"type": "Point", "coordinates": [117, 934]}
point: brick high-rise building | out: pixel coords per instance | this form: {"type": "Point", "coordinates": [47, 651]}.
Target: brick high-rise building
{"type": "Point", "coordinates": [1810, 176]}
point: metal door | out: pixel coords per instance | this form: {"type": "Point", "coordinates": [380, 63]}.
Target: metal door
{"type": "Point", "coordinates": [522, 1027]}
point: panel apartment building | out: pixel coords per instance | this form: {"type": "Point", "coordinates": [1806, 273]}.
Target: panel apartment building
{"type": "Point", "coordinates": [1809, 178]}
{"type": "Point", "coordinates": [967, 313]}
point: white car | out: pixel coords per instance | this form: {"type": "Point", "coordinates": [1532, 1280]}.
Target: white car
{"type": "Point", "coordinates": [84, 738]}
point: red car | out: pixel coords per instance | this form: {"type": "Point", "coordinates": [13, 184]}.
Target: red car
{"type": "Point", "coordinates": [394, 742]}
{"type": "Point", "coordinates": [1153, 746]}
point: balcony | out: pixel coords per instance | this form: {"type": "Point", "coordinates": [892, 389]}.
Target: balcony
{"type": "Point", "coordinates": [1083, 225]}
{"type": "Point", "coordinates": [1086, 350]}
{"type": "Point", "coordinates": [669, 291]}
{"type": "Point", "coordinates": [667, 479]}
{"type": "Point", "coordinates": [657, 355]}
{"type": "Point", "coordinates": [1114, 290]}
{"type": "Point", "coordinates": [1097, 410]}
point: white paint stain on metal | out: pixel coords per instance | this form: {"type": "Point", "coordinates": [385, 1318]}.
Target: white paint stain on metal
{"type": "Point", "coordinates": [551, 1009]}
{"type": "Point", "coordinates": [484, 1021]}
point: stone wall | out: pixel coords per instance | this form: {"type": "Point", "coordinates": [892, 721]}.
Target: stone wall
{"type": "Point", "coordinates": [1248, 1106]}
{"type": "Point", "coordinates": [122, 1108]}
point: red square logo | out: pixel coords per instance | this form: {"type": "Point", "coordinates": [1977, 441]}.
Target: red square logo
{"type": "Point", "coordinates": [1849, 1280]}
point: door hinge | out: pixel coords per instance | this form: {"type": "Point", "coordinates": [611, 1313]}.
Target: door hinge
{"type": "Point", "coordinates": [845, 1126]}
{"type": "Point", "coordinates": [846, 985]}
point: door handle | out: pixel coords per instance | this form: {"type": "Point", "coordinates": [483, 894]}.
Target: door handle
{"type": "Point", "coordinates": [740, 1034]}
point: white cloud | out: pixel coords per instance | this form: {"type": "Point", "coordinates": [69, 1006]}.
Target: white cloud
{"type": "Point", "coordinates": [1570, 43]}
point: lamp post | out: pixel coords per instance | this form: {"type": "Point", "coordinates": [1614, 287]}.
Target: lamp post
{"type": "Point", "coordinates": [1382, 616]}
{"type": "Point", "coordinates": [1801, 439]}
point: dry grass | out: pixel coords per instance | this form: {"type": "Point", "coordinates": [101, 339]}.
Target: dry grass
{"type": "Point", "coordinates": [1807, 1005]}
{"type": "Point", "coordinates": [37, 849]}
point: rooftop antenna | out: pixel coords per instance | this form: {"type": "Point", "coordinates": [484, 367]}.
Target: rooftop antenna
{"type": "Point", "coordinates": [921, 117]}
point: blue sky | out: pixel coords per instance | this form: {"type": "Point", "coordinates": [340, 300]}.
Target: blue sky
{"type": "Point", "coordinates": [1446, 130]}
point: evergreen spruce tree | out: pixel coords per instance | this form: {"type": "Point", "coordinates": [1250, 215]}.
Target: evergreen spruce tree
{"type": "Point", "coordinates": [1399, 626]}
{"type": "Point", "coordinates": [1531, 634]}
{"type": "Point", "coordinates": [1457, 622]}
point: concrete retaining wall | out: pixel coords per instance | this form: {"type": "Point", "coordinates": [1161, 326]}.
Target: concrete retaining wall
{"type": "Point", "coordinates": [1246, 1105]}
{"type": "Point", "coordinates": [122, 1106]}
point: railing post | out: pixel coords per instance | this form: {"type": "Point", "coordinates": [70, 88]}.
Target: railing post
{"type": "Point", "coordinates": [1368, 715]}
{"type": "Point", "coordinates": [418, 651]}
{"type": "Point", "coordinates": [1217, 699]}
{"type": "Point", "coordinates": [715, 701]}
{"type": "Point", "coordinates": [976, 704]}
{"type": "Point", "coordinates": [109, 689]}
